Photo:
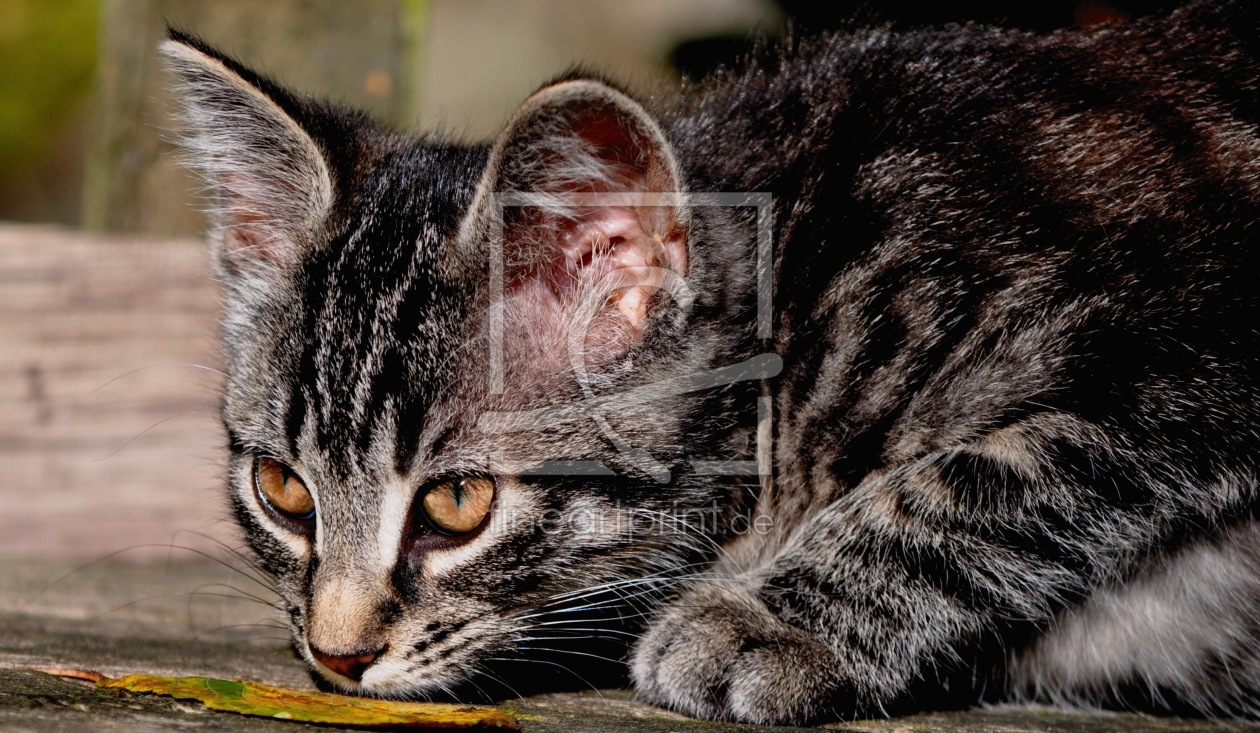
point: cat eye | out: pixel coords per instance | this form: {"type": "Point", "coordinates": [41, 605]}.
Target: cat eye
{"type": "Point", "coordinates": [458, 506]}
{"type": "Point", "coordinates": [283, 494]}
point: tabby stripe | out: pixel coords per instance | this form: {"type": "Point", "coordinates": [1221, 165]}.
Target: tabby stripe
{"type": "Point", "coordinates": [295, 415]}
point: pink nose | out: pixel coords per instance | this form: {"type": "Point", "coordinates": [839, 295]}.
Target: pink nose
{"type": "Point", "coordinates": [347, 665]}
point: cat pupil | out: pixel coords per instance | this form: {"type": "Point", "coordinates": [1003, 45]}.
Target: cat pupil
{"type": "Point", "coordinates": [1006, 452]}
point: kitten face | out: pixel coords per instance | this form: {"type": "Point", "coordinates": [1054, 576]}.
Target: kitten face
{"type": "Point", "coordinates": [410, 365]}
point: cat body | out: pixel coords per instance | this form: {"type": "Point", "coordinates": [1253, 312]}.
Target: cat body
{"type": "Point", "coordinates": [981, 423]}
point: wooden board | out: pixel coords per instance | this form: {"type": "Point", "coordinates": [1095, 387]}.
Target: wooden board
{"type": "Point", "coordinates": [109, 378]}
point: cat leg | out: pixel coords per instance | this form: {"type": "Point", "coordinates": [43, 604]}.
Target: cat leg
{"type": "Point", "coordinates": [1182, 636]}
{"type": "Point", "coordinates": [894, 592]}
{"type": "Point", "coordinates": [831, 627]}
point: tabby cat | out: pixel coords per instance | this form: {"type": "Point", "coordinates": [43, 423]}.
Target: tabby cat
{"type": "Point", "coordinates": [890, 370]}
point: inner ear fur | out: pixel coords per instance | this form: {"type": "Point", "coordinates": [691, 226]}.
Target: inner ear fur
{"type": "Point", "coordinates": [585, 195]}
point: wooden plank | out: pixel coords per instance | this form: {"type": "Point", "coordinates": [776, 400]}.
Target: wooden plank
{"type": "Point", "coordinates": [109, 383]}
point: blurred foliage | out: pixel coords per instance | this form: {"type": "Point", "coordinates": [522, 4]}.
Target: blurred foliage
{"type": "Point", "coordinates": [47, 60]}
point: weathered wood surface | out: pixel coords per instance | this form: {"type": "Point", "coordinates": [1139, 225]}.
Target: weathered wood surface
{"type": "Point", "coordinates": [173, 619]}
{"type": "Point", "coordinates": [108, 391]}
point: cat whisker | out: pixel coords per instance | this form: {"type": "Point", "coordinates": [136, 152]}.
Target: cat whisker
{"type": "Point", "coordinates": [220, 629]}
{"type": "Point", "coordinates": [556, 623]}
{"type": "Point", "coordinates": [549, 662]}
{"type": "Point", "coordinates": [190, 595]}
{"type": "Point", "coordinates": [556, 604]}
{"type": "Point", "coordinates": [158, 364]}
{"type": "Point", "coordinates": [706, 540]}
{"type": "Point", "coordinates": [259, 574]}
{"type": "Point", "coordinates": [117, 553]}
{"type": "Point", "coordinates": [571, 651]}
{"type": "Point", "coordinates": [469, 680]}
{"type": "Point", "coordinates": [610, 603]}
{"type": "Point", "coordinates": [235, 594]}
{"type": "Point", "coordinates": [141, 434]}
{"type": "Point", "coordinates": [593, 590]}
{"type": "Point", "coordinates": [623, 608]}
{"type": "Point", "coordinates": [647, 584]}
{"type": "Point", "coordinates": [146, 599]}
{"type": "Point", "coordinates": [574, 637]}
{"type": "Point", "coordinates": [239, 596]}
{"type": "Point", "coordinates": [596, 630]}
{"type": "Point", "coordinates": [542, 620]}
{"type": "Point", "coordinates": [482, 671]}
{"type": "Point", "coordinates": [616, 598]}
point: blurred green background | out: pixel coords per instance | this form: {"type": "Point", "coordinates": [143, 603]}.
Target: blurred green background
{"type": "Point", "coordinates": [48, 59]}
{"type": "Point", "coordinates": [82, 98]}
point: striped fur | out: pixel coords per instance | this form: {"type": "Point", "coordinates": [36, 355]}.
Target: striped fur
{"type": "Point", "coordinates": [1015, 440]}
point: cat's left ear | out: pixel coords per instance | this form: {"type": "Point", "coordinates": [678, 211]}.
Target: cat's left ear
{"type": "Point", "coordinates": [583, 187]}
{"type": "Point", "coordinates": [270, 181]}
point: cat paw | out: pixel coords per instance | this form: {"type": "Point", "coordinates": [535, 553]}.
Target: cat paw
{"type": "Point", "coordinates": [720, 654]}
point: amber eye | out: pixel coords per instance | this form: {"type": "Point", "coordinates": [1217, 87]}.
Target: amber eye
{"type": "Point", "coordinates": [281, 491]}
{"type": "Point", "coordinates": [458, 506]}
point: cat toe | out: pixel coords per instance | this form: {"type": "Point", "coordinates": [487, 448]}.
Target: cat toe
{"type": "Point", "coordinates": [785, 677]}
{"type": "Point", "coordinates": [681, 662]}
{"type": "Point", "coordinates": [722, 655]}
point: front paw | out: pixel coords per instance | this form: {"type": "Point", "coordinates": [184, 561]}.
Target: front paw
{"type": "Point", "coordinates": [719, 653]}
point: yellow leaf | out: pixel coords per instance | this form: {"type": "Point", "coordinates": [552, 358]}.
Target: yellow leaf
{"type": "Point", "coordinates": [258, 699]}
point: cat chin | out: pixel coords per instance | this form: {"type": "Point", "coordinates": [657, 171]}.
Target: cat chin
{"type": "Point", "coordinates": [332, 682]}
{"type": "Point", "coordinates": [383, 681]}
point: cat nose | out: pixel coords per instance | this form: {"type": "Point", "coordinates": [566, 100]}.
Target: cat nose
{"type": "Point", "coordinates": [347, 665]}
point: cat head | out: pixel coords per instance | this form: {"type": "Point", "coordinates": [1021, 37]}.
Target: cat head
{"type": "Point", "coordinates": [448, 398]}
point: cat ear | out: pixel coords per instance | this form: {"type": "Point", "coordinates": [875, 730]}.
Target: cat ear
{"type": "Point", "coordinates": [585, 194]}
{"type": "Point", "coordinates": [271, 188]}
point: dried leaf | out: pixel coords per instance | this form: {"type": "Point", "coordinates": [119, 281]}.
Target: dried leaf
{"type": "Point", "coordinates": [256, 698]}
